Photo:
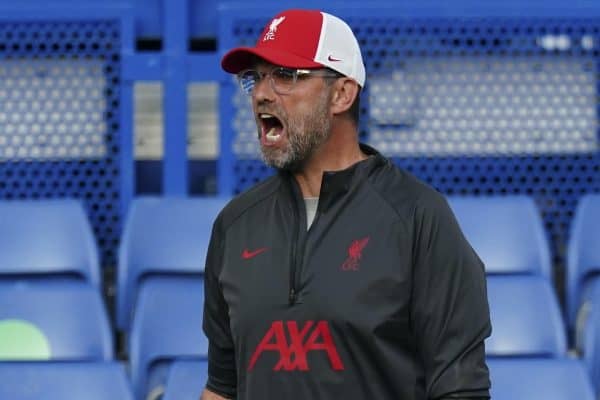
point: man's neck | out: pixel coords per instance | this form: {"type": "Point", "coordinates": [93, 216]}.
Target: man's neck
{"type": "Point", "coordinates": [332, 156]}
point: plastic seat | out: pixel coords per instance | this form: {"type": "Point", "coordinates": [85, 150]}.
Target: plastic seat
{"type": "Point", "coordinates": [162, 236]}
{"type": "Point", "coordinates": [167, 325]}
{"type": "Point", "coordinates": [47, 238]}
{"type": "Point", "coordinates": [583, 283]}
{"type": "Point", "coordinates": [186, 380]}
{"type": "Point", "coordinates": [58, 321]}
{"type": "Point", "coordinates": [506, 232]}
{"type": "Point", "coordinates": [526, 318]}
{"type": "Point", "coordinates": [583, 255]}
{"type": "Point", "coordinates": [539, 379]}
{"type": "Point", "coordinates": [64, 381]}
{"type": "Point", "coordinates": [587, 341]}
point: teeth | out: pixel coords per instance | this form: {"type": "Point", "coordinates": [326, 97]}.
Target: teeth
{"type": "Point", "coordinates": [271, 136]}
{"type": "Point", "coordinates": [266, 116]}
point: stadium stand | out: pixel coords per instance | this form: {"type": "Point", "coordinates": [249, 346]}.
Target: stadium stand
{"type": "Point", "coordinates": [70, 316]}
{"type": "Point", "coordinates": [64, 381]}
{"type": "Point", "coordinates": [56, 341]}
{"type": "Point", "coordinates": [583, 284]}
{"type": "Point", "coordinates": [186, 380]}
{"type": "Point", "coordinates": [506, 232]}
{"type": "Point", "coordinates": [49, 276]}
{"type": "Point", "coordinates": [47, 239]}
{"type": "Point", "coordinates": [527, 351]}
{"type": "Point", "coordinates": [532, 379]}
{"type": "Point", "coordinates": [583, 260]}
{"type": "Point", "coordinates": [160, 286]}
{"type": "Point", "coordinates": [526, 318]}
{"type": "Point", "coordinates": [167, 326]}
{"type": "Point", "coordinates": [162, 236]}
{"type": "Point", "coordinates": [587, 336]}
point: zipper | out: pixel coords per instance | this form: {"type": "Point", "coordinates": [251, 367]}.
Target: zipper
{"type": "Point", "coordinates": [292, 294]}
{"type": "Point", "coordinates": [297, 251]}
{"type": "Point", "coordinates": [297, 260]}
{"type": "Point", "coordinates": [298, 263]}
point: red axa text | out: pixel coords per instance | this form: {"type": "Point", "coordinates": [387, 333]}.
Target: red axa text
{"type": "Point", "coordinates": [313, 336]}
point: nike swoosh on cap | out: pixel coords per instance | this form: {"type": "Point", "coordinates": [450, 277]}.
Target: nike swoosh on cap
{"type": "Point", "coordinates": [331, 58]}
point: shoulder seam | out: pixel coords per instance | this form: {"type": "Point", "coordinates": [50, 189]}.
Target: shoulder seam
{"type": "Point", "coordinates": [251, 205]}
{"type": "Point", "coordinates": [385, 200]}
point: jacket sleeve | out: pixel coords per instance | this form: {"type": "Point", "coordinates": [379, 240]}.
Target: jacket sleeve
{"type": "Point", "coordinates": [449, 309]}
{"type": "Point", "coordinates": [221, 359]}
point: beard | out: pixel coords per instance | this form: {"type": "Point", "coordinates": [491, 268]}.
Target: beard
{"type": "Point", "coordinates": [305, 134]}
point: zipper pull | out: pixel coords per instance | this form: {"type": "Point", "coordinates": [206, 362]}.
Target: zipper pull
{"type": "Point", "coordinates": [292, 298]}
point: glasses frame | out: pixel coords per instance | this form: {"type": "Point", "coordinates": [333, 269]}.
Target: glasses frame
{"type": "Point", "coordinates": [253, 73]}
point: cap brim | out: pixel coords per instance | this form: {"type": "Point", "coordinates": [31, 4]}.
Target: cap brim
{"type": "Point", "coordinates": [242, 58]}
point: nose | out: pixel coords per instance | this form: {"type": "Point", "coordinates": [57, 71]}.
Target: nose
{"type": "Point", "coordinates": [263, 90]}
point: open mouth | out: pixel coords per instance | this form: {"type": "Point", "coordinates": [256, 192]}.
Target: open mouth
{"type": "Point", "coordinates": [272, 128]}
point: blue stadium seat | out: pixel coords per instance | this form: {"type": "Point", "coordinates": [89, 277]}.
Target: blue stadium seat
{"type": "Point", "coordinates": [506, 232]}
{"type": "Point", "coordinates": [167, 325]}
{"type": "Point", "coordinates": [186, 380]}
{"type": "Point", "coordinates": [539, 379]}
{"type": "Point", "coordinates": [162, 236]}
{"type": "Point", "coordinates": [47, 238]}
{"type": "Point", "coordinates": [64, 381]}
{"type": "Point", "coordinates": [526, 318]}
{"type": "Point", "coordinates": [70, 317]}
{"type": "Point", "coordinates": [583, 255]}
{"type": "Point", "coordinates": [587, 335]}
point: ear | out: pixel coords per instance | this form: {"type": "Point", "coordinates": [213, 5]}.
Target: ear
{"type": "Point", "coordinates": [345, 91]}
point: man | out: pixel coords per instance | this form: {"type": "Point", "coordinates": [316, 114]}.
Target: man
{"type": "Point", "coordinates": [342, 276]}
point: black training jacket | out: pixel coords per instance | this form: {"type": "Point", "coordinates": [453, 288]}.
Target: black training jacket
{"type": "Point", "coordinates": [382, 298]}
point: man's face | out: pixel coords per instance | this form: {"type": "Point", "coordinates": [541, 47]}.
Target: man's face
{"type": "Point", "coordinates": [291, 126]}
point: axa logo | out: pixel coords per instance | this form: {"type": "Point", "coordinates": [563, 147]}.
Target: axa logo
{"type": "Point", "coordinates": [355, 250]}
{"type": "Point", "coordinates": [270, 35]}
{"type": "Point", "coordinates": [313, 336]}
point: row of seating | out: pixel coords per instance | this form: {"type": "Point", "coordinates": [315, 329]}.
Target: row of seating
{"type": "Point", "coordinates": [56, 339]}
{"type": "Point", "coordinates": [512, 379]}
{"type": "Point", "coordinates": [51, 305]}
{"type": "Point", "coordinates": [160, 291]}
{"type": "Point", "coordinates": [583, 284]}
{"type": "Point", "coordinates": [529, 328]}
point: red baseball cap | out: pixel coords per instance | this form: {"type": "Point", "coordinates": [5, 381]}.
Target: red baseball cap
{"type": "Point", "coordinates": [303, 39]}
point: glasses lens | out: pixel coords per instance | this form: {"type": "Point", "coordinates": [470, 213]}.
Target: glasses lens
{"type": "Point", "coordinates": [247, 80]}
{"type": "Point", "coordinates": [283, 79]}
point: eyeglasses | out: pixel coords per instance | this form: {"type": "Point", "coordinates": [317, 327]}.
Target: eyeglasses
{"type": "Point", "coordinates": [282, 79]}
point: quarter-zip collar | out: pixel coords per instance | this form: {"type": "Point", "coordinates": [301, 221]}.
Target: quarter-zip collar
{"type": "Point", "coordinates": [336, 184]}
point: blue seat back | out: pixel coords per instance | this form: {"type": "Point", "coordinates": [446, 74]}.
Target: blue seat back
{"type": "Point", "coordinates": [583, 251]}
{"type": "Point", "coordinates": [70, 315]}
{"type": "Point", "coordinates": [533, 379]}
{"type": "Point", "coordinates": [588, 336]}
{"type": "Point", "coordinates": [64, 381]}
{"type": "Point", "coordinates": [167, 325]}
{"type": "Point", "coordinates": [186, 380]}
{"type": "Point", "coordinates": [526, 319]}
{"type": "Point", "coordinates": [162, 236]}
{"type": "Point", "coordinates": [506, 232]}
{"type": "Point", "coordinates": [46, 238]}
